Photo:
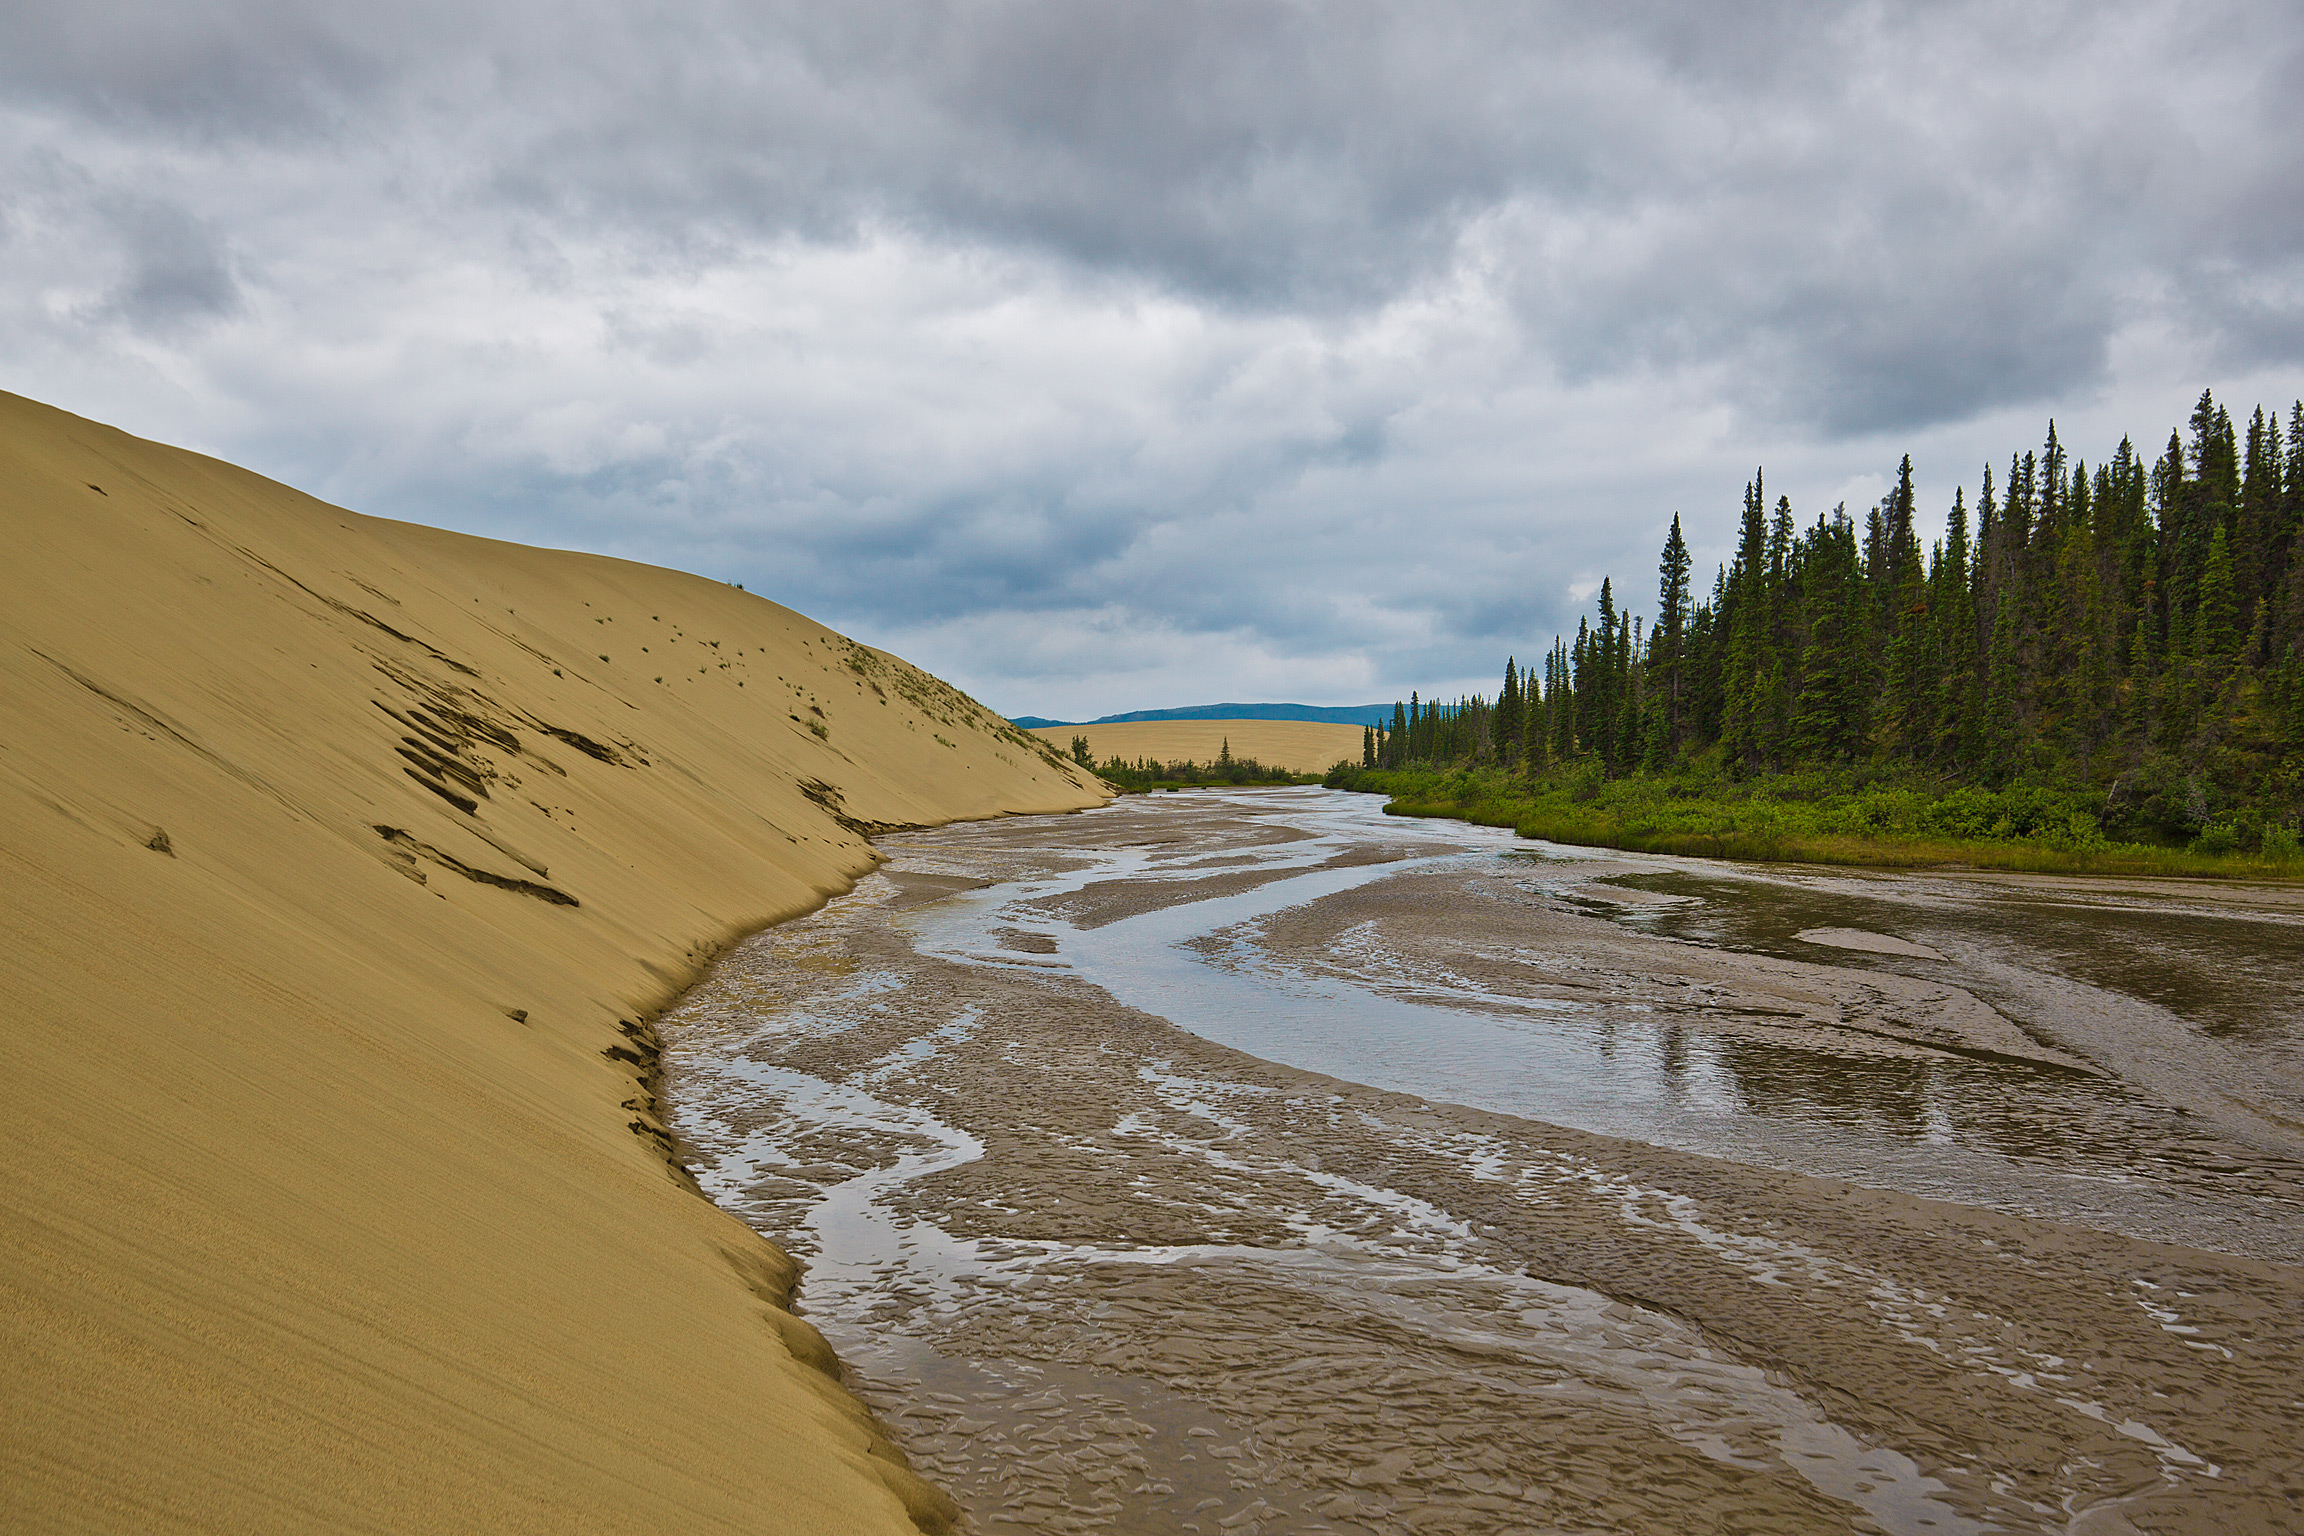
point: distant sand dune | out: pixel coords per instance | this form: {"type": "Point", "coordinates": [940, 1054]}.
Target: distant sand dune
{"type": "Point", "coordinates": [342, 863]}
{"type": "Point", "coordinates": [1302, 746]}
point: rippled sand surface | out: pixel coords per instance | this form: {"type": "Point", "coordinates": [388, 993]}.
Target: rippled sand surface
{"type": "Point", "coordinates": [1254, 1162]}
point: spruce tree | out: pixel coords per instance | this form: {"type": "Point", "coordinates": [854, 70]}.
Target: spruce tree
{"type": "Point", "coordinates": [1744, 683]}
{"type": "Point", "coordinates": [2256, 523]}
{"type": "Point", "coordinates": [1898, 533]}
{"type": "Point", "coordinates": [1706, 665]}
{"type": "Point", "coordinates": [1779, 636]}
{"type": "Point", "coordinates": [2003, 724]}
{"type": "Point", "coordinates": [1561, 704]}
{"type": "Point", "coordinates": [2215, 452]}
{"type": "Point", "coordinates": [2216, 622]}
{"type": "Point", "coordinates": [1832, 594]}
{"type": "Point", "coordinates": [1632, 721]}
{"type": "Point", "coordinates": [1509, 713]}
{"type": "Point", "coordinates": [1596, 684]}
{"type": "Point", "coordinates": [1906, 727]}
{"type": "Point", "coordinates": [2177, 678]}
{"type": "Point", "coordinates": [2288, 543]}
{"type": "Point", "coordinates": [2142, 710]}
{"type": "Point", "coordinates": [2079, 658]}
{"type": "Point", "coordinates": [1671, 633]}
{"type": "Point", "coordinates": [1536, 724]}
{"type": "Point", "coordinates": [1954, 603]}
{"type": "Point", "coordinates": [2288, 692]}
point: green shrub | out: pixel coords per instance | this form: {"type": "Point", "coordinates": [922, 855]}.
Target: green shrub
{"type": "Point", "coordinates": [1845, 816]}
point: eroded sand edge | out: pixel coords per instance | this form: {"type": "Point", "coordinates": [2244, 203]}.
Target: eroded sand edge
{"type": "Point", "coordinates": [342, 866]}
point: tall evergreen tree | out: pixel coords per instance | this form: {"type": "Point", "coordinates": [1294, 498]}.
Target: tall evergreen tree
{"type": "Point", "coordinates": [2216, 622]}
{"type": "Point", "coordinates": [1953, 603]}
{"type": "Point", "coordinates": [1561, 705]}
{"type": "Point", "coordinates": [1509, 713]}
{"type": "Point", "coordinates": [1596, 683]}
{"type": "Point", "coordinates": [1744, 679]}
{"type": "Point", "coordinates": [1671, 633]}
{"type": "Point", "coordinates": [2257, 522]}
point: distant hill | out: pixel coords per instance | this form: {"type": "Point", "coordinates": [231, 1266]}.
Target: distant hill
{"type": "Point", "coordinates": [1342, 714]}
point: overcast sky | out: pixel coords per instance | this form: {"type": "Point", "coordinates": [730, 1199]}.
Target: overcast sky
{"type": "Point", "coordinates": [1112, 356]}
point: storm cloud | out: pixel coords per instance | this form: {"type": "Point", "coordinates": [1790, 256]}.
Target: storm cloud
{"type": "Point", "coordinates": [1113, 355]}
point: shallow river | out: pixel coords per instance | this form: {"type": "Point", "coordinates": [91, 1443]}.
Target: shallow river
{"type": "Point", "coordinates": [1256, 1162]}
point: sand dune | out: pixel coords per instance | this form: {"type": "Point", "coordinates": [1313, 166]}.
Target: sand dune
{"type": "Point", "coordinates": [1303, 746]}
{"type": "Point", "coordinates": [342, 863]}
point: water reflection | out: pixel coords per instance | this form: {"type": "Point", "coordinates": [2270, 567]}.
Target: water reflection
{"type": "Point", "coordinates": [1622, 1047]}
{"type": "Point", "coordinates": [2232, 967]}
{"type": "Point", "coordinates": [1880, 1097]}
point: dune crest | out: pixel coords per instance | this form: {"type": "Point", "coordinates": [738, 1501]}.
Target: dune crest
{"type": "Point", "coordinates": [343, 864]}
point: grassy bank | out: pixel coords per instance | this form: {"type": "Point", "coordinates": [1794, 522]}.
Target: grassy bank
{"type": "Point", "coordinates": [1823, 818]}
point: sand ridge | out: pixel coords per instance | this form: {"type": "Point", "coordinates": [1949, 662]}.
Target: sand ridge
{"type": "Point", "coordinates": [342, 866]}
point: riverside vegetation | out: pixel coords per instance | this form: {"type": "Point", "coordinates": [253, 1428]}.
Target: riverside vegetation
{"type": "Point", "coordinates": [2105, 676]}
{"type": "Point", "coordinates": [1146, 774]}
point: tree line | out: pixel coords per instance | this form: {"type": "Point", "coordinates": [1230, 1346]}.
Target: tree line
{"type": "Point", "coordinates": [2130, 625]}
{"type": "Point", "coordinates": [1152, 773]}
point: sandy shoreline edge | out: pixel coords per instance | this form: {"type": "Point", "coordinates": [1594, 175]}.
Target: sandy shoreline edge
{"type": "Point", "coordinates": [345, 865]}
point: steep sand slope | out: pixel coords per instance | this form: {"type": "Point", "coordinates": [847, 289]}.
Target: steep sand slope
{"type": "Point", "coordinates": [1302, 746]}
{"type": "Point", "coordinates": [341, 865]}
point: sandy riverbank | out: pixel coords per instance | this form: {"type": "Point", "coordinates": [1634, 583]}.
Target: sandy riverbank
{"type": "Point", "coordinates": [342, 864]}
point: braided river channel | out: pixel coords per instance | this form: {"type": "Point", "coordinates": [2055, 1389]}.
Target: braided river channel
{"type": "Point", "coordinates": [1253, 1162]}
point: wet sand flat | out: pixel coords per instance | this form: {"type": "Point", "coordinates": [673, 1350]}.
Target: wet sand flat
{"type": "Point", "coordinates": [1429, 1181]}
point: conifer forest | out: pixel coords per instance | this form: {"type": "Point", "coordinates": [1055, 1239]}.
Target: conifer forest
{"type": "Point", "coordinates": [2088, 651]}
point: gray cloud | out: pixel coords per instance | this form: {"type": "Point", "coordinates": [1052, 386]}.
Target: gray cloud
{"type": "Point", "coordinates": [206, 67]}
{"type": "Point", "coordinates": [176, 271]}
{"type": "Point", "coordinates": [1358, 339]}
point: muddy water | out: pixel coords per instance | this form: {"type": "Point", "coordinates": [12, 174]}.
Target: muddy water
{"type": "Point", "coordinates": [1255, 1162]}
